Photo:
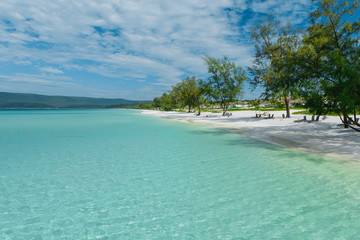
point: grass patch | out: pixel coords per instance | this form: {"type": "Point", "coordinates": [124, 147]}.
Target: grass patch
{"type": "Point", "coordinates": [302, 112]}
{"type": "Point", "coordinates": [307, 112]}
{"type": "Point", "coordinates": [264, 109]}
{"type": "Point", "coordinates": [240, 109]}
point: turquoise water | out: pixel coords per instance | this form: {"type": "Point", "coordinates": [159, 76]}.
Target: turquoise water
{"type": "Point", "coordinates": [115, 174]}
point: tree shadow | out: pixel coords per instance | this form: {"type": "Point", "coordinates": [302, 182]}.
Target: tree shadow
{"type": "Point", "coordinates": [275, 147]}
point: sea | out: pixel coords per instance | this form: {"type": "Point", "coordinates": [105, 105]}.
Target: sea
{"type": "Point", "coordinates": [118, 174]}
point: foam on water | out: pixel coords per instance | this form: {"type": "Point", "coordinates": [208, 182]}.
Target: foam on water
{"type": "Point", "coordinates": [115, 174]}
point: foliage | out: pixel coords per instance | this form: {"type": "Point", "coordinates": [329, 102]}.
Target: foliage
{"type": "Point", "coordinates": [330, 58]}
{"type": "Point", "coordinates": [255, 103]}
{"type": "Point", "coordinates": [156, 103]}
{"type": "Point", "coordinates": [25, 100]}
{"type": "Point", "coordinates": [188, 92]}
{"type": "Point", "coordinates": [307, 112]}
{"type": "Point", "coordinates": [169, 101]}
{"type": "Point", "coordinates": [275, 65]}
{"type": "Point", "coordinates": [224, 84]}
{"type": "Point", "coordinates": [143, 105]}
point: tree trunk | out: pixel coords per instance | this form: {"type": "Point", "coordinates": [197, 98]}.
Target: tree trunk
{"type": "Point", "coordinates": [199, 111]}
{"type": "Point", "coordinates": [224, 110]}
{"type": "Point", "coordinates": [355, 115]}
{"type": "Point", "coordinates": [345, 121]}
{"type": "Point", "coordinates": [189, 108]}
{"type": "Point", "coordinates": [287, 107]}
{"type": "Point", "coordinates": [346, 124]}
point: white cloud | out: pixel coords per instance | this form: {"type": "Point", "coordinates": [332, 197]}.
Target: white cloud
{"type": "Point", "coordinates": [51, 70]}
{"type": "Point", "coordinates": [159, 40]}
{"type": "Point", "coordinates": [36, 79]}
{"type": "Point", "coordinates": [53, 85]}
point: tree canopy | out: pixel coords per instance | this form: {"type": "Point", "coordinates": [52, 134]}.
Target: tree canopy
{"type": "Point", "coordinates": [320, 64]}
{"type": "Point", "coordinates": [225, 83]}
{"type": "Point", "coordinates": [188, 92]}
{"type": "Point", "coordinates": [169, 101]}
{"type": "Point", "coordinates": [330, 58]}
{"type": "Point", "coordinates": [275, 64]}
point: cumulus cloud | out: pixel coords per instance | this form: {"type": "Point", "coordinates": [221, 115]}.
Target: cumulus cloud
{"type": "Point", "coordinates": [132, 40]}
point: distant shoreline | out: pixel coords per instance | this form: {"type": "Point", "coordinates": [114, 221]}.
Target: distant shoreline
{"type": "Point", "coordinates": [325, 137]}
{"type": "Point", "coordinates": [64, 108]}
{"type": "Point", "coordinates": [2, 109]}
{"type": "Point", "coordinates": [22, 101]}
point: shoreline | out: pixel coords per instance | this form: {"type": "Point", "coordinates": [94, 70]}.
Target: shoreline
{"type": "Point", "coordinates": [324, 137]}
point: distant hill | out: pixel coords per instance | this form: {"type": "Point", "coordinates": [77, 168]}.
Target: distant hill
{"type": "Point", "coordinates": [36, 101]}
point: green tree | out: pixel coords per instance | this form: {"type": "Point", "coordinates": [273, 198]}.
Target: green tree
{"type": "Point", "coordinates": [156, 103]}
{"type": "Point", "coordinates": [275, 66]}
{"type": "Point", "coordinates": [188, 92]}
{"type": "Point", "coordinates": [200, 98]}
{"type": "Point", "coordinates": [255, 103]}
{"type": "Point", "coordinates": [169, 101]}
{"type": "Point", "coordinates": [143, 105]}
{"type": "Point", "coordinates": [225, 83]}
{"type": "Point", "coordinates": [330, 56]}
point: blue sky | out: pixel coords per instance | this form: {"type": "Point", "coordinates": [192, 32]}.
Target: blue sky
{"type": "Point", "coordinates": [132, 49]}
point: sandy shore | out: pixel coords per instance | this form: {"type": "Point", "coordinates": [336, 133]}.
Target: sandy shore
{"type": "Point", "coordinates": [325, 137]}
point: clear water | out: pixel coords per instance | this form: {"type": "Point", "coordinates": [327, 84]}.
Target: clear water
{"type": "Point", "coordinates": [115, 174]}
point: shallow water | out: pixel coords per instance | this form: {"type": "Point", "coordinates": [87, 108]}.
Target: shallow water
{"type": "Point", "coordinates": [116, 174]}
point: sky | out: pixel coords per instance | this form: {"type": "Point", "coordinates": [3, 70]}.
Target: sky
{"type": "Point", "coordinates": [132, 49]}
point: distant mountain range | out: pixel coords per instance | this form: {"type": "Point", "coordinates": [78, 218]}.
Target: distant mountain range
{"type": "Point", "coordinates": [36, 101]}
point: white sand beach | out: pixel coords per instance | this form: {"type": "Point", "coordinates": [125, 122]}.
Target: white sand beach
{"type": "Point", "coordinates": [325, 136]}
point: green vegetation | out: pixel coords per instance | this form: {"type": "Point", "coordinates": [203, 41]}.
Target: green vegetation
{"type": "Point", "coordinates": [156, 103]}
{"type": "Point", "coordinates": [318, 66]}
{"type": "Point", "coordinates": [330, 60]}
{"type": "Point", "coordinates": [275, 64]}
{"type": "Point", "coordinates": [169, 101]}
{"type": "Point", "coordinates": [224, 84]}
{"type": "Point", "coordinates": [143, 105]}
{"type": "Point", "coordinates": [36, 101]}
{"type": "Point", "coordinates": [328, 114]}
{"type": "Point", "coordinates": [189, 93]}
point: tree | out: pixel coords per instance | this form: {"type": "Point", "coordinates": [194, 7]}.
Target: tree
{"type": "Point", "coordinates": [330, 56]}
{"type": "Point", "coordinates": [275, 65]}
{"type": "Point", "coordinates": [168, 101]}
{"type": "Point", "coordinates": [156, 103]}
{"type": "Point", "coordinates": [255, 103]}
{"type": "Point", "coordinates": [200, 98]}
{"type": "Point", "coordinates": [188, 92]}
{"type": "Point", "coordinates": [144, 105]}
{"type": "Point", "coordinates": [224, 84]}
